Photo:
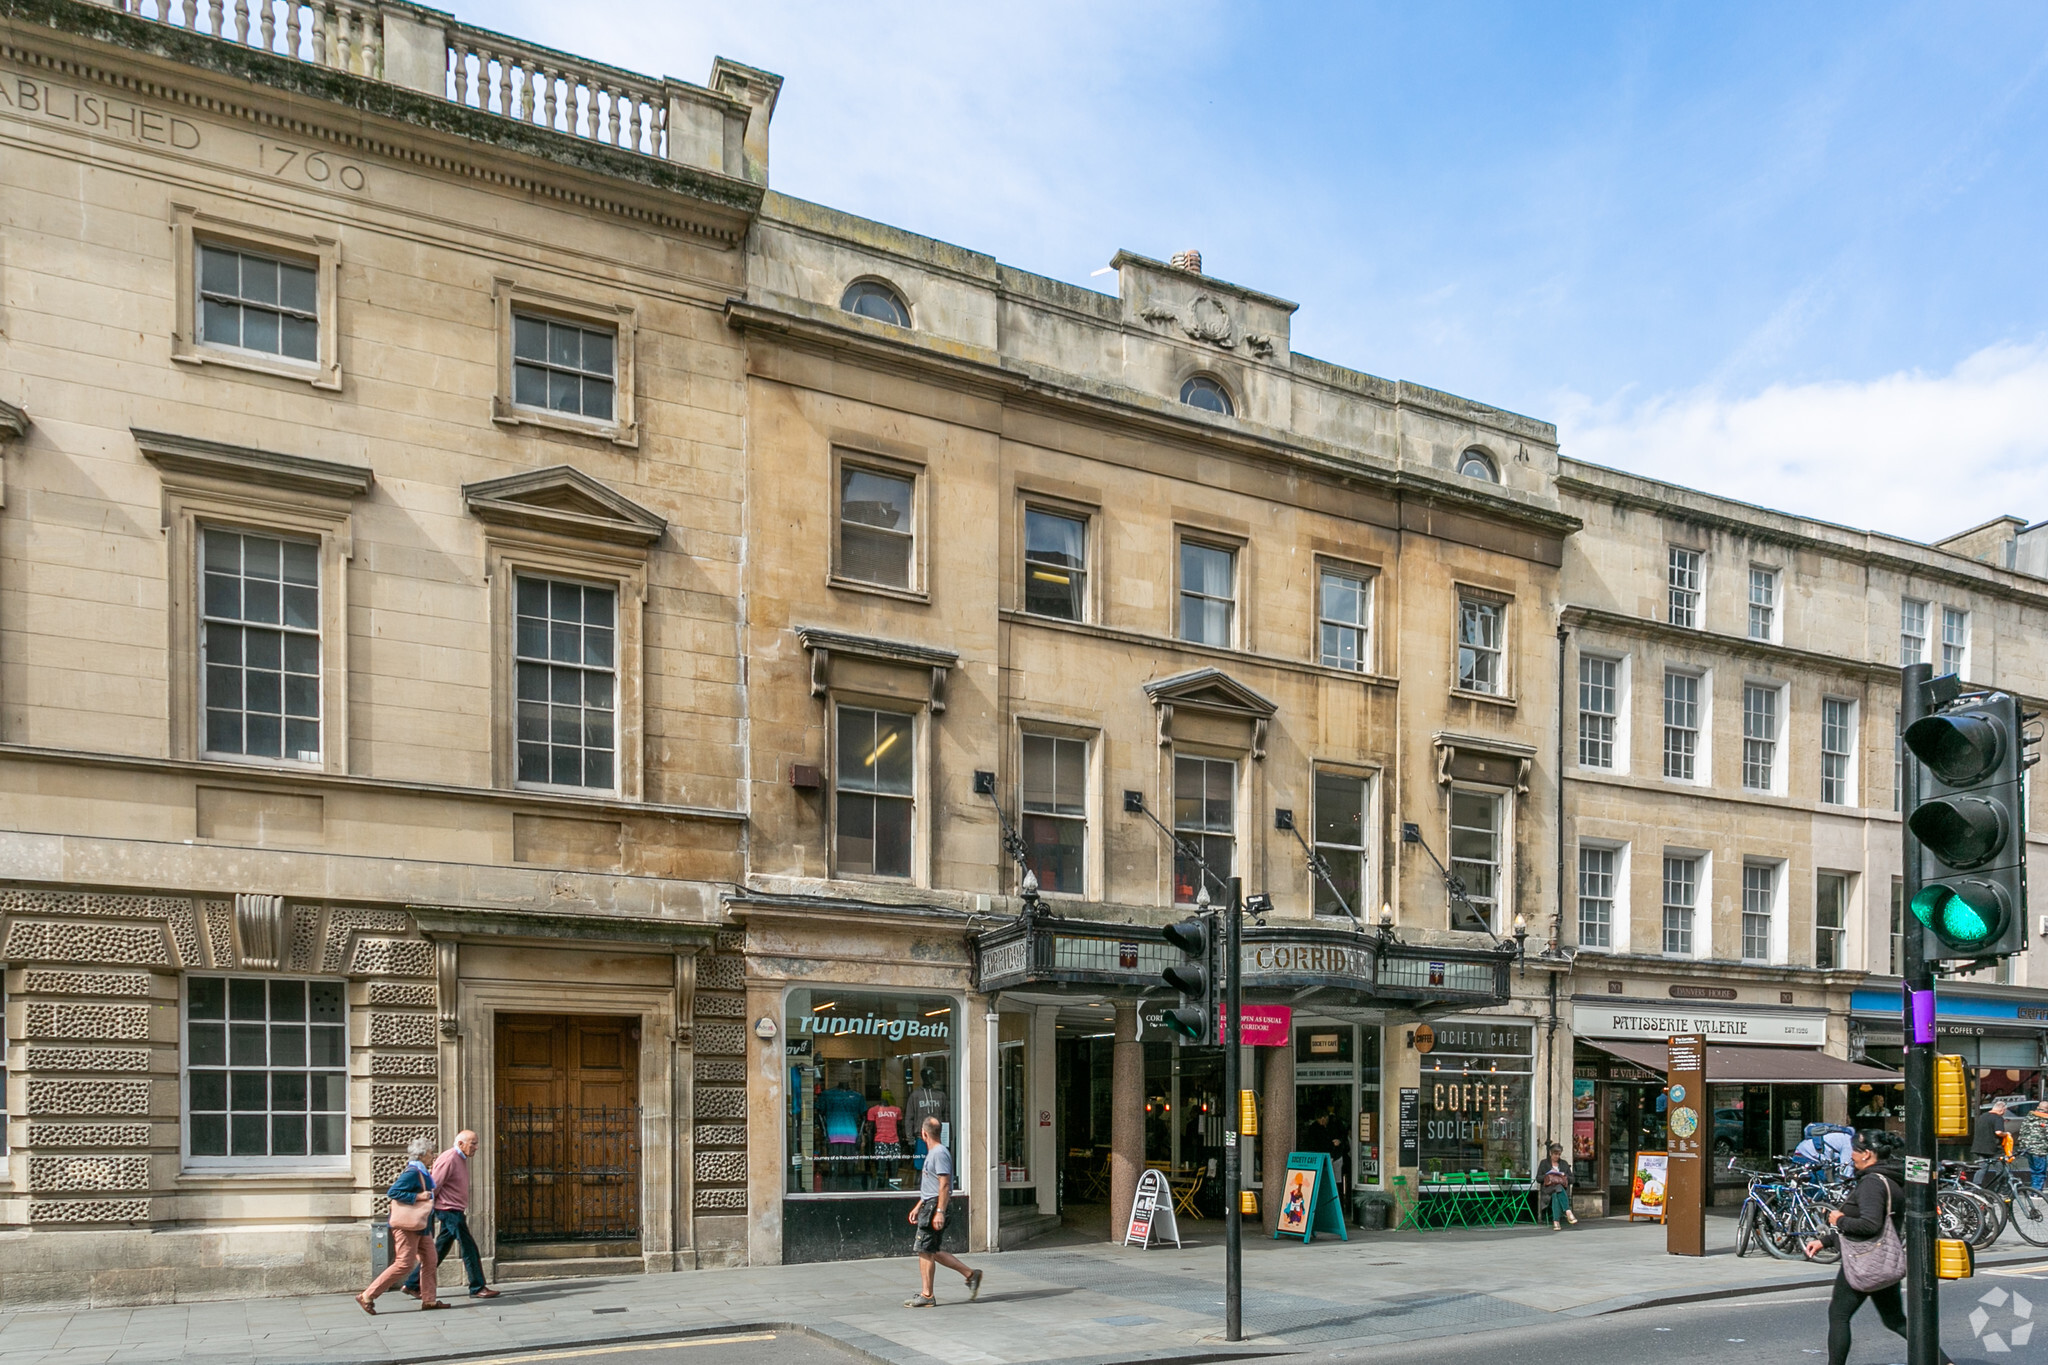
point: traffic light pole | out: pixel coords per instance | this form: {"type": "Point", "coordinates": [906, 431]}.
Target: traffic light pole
{"type": "Point", "coordinates": [1233, 1144]}
{"type": "Point", "coordinates": [1923, 1302]}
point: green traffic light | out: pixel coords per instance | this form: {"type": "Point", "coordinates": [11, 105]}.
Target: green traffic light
{"type": "Point", "coordinates": [1186, 1021]}
{"type": "Point", "coordinates": [1968, 915]}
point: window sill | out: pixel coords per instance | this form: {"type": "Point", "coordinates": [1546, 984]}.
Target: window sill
{"type": "Point", "coordinates": [203, 1178]}
{"type": "Point", "coordinates": [556, 789]}
{"type": "Point", "coordinates": [512, 415]}
{"type": "Point", "coordinates": [874, 879]}
{"type": "Point", "coordinates": [1501, 699]}
{"type": "Point", "coordinates": [877, 589]}
{"type": "Point", "coordinates": [319, 376]}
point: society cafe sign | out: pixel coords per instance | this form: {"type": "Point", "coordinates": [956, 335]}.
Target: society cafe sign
{"type": "Point", "coordinates": [1655, 1023]}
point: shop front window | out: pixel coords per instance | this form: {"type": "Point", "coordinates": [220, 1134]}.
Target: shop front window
{"type": "Point", "coordinates": [1475, 1101]}
{"type": "Point", "coordinates": [866, 1068]}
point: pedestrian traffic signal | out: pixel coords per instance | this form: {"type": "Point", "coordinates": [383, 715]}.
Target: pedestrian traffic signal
{"type": "Point", "coordinates": [1970, 822]}
{"type": "Point", "coordinates": [1951, 1098]}
{"type": "Point", "coordinates": [1195, 1018]}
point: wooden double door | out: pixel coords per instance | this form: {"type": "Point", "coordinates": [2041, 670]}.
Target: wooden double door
{"type": "Point", "coordinates": [568, 1128]}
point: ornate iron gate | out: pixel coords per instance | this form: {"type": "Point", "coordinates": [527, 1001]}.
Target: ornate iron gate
{"type": "Point", "coordinates": [568, 1175]}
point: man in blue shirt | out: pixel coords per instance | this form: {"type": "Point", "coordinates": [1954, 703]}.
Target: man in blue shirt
{"type": "Point", "coordinates": [929, 1218]}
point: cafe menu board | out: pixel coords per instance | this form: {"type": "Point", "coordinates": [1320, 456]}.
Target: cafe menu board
{"type": "Point", "coordinates": [1411, 1126]}
{"type": "Point", "coordinates": [1689, 1129]}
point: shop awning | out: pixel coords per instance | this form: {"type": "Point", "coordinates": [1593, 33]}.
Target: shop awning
{"type": "Point", "coordinates": [1730, 1064]}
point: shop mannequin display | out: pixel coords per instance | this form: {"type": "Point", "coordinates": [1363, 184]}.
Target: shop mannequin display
{"type": "Point", "coordinates": [885, 1125]}
{"type": "Point", "coordinates": [928, 1101]}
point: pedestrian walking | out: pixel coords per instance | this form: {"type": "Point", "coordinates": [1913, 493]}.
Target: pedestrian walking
{"type": "Point", "coordinates": [1988, 1143]}
{"type": "Point", "coordinates": [1868, 1229]}
{"type": "Point", "coordinates": [412, 1222]}
{"type": "Point", "coordinates": [929, 1218]}
{"type": "Point", "coordinates": [451, 1216]}
{"type": "Point", "coordinates": [1554, 1178]}
{"type": "Point", "coordinates": [2033, 1141]}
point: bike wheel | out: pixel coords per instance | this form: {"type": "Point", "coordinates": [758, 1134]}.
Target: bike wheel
{"type": "Point", "coordinates": [2030, 1214]}
{"type": "Point", "coordinates": [1958, 1215]}
{"type": "Point", "coordinates": [1997, 1212]}
{"type": "Point", "coordinates": [1782, 1241]}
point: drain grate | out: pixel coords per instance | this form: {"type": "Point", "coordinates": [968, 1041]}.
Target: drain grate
{"type": "Point", "coordinates": [607, 1310]}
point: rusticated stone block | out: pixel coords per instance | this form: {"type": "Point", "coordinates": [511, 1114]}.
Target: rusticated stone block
{"type": "Point", "coordinates": [402, 1101]}
{"type": "Point", "coordinates": [24, 901]}
{"type": "Point", "coordinates": [402, 1135]}
{"type": "Point", "coordinates": [719, 1038]}
{"type": "Point", "coordinates": [384, 1168]}
{"type": "Point", "coordinates": [721, 974]}
{"type": "Point", "coordinates": [731, 940]}
{"type": "Point", "coordinates": [721, 1103]}
{"type": "Point", "coordinates": [721, 1135]}
{"type": "Point", "coordinates": [401, 1030]}
{"type": "Point", "coordinates": [417, 994]}
{"type": "Point", "coordinates": [87, 1174]}
{"type": "Point", "coordinates": [721, 1167]}
{"type": "Point", "coordinates": [714, 1071]}
{"type": "Point", "coordinates": [721, 1006]}
{"type": "Point", "coordinates": [305, 937]}
{"type": "Point", "coordinates": [89, 1211]}
{"type": "Point", "coordinates": [729, 1198]}
{"type": "Point", "coordinates": [48, 982]}
{"type": "Point", "coordinates": [64, 1098]}
{"type": "Point", "coordinates": [129, 945]}
{"type": "Point", "coordinates": [219, 918]}
{"type": "Point", "coordinates": [392, 957]}
{"type": "Point", "coordinates": [342, 923]}
{"type": "Point", "coordinates": [88, 1135]}
{"type": "Point", "coordinates": [405, 1064]}
{"type": "Point", "coordinates": [88, 1059]}
{"type": "Point", "coordinates": [87, 1023]}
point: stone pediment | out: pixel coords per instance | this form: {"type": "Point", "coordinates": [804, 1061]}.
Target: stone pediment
{"type": "Point", "coordinates": [565, 501]}
{"type": "Point", "coordinates": [1214, 691]}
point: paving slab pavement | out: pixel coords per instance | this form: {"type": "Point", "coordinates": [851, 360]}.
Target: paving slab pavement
{"type": "Point", "coordinates": [1074, 1304]}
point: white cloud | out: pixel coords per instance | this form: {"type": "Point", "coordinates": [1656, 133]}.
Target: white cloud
{"type": "Point", "coordinates": [1910, 453]}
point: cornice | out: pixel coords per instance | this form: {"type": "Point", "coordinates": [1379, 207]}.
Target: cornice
{"type": "Point", "coordinates": [1069, 397]}
{"type": "Point", "coordinates": [203, 73]}
{"type": "Point", "coordinates": [873, 647]}
{"type": "Point", "coordinates": [1852, 546]}
{"type": "Point", "coordinates": [191, 455]}
{"type": "Point", "coordinates": [13, 421]}
{"type": "Point", "coordinates": [453, 922]}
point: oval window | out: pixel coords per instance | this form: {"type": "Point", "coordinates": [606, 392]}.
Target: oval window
{"type": "Point", "coordinates": [1205, 393]}
{"type": "Point", "coordinates": [1477, 464]}
{"type": "Point", "coordinates": [872, 299]}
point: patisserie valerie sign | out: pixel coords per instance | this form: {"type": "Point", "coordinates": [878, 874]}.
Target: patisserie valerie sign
{"type": "Point", "coordinates": [1656, 1023]}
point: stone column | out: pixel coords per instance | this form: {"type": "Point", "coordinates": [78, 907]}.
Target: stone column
{"type": "Point", "coordinates": [1126, 1119]}
{"type": "Point", "coordinates": [1045, 1151]}
{"type": "Point", "coordinates": [1276, 1128]}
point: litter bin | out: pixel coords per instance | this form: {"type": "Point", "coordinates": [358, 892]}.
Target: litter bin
{"type": "Point", "coordinates": [1375, 1212]}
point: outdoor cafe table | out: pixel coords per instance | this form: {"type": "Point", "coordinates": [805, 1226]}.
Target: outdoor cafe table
{"type": "Point", "coordinates": [1470, 1202]}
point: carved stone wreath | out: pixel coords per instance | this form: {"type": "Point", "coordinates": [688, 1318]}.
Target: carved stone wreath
{"type": "Point", "coordinates": [1207, 320]}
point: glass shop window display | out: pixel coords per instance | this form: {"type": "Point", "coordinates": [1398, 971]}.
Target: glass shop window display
{"type": "Point", "coordinates": [866, 1068]}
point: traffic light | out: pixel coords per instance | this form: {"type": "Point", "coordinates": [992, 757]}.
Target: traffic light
{"type": "Point", "coordinates": [1971, 825]}
{"type": "Point", "coordinates": [1951, 1098]}
{"type": "Point", "coordinates": [1196, 1017]}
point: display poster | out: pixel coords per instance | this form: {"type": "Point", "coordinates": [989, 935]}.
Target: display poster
{"type": "Point", "coordinates": [1582, 1139]}
{"type": "Point", "coordinates": [1646, 1191]}
{"type": "Point", "coordinates": [1297, 1196]}
{"type": "Point", "coordinates": [1152, 1212]}
{"type": "Point", "coordinates": [1689, 1129]}
{"type": "Point", "coordinates": [1308, 1198]}
{"type": "Point", "coordinates": [1411, 1126]}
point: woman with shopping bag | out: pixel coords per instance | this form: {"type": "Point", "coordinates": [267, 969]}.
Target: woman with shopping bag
{"type": "Point", "coordinates": [1867, 1227]}
{"type": "Point", "coordinates": [412, 1230]}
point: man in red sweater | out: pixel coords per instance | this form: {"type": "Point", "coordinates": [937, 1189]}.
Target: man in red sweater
{"type": "Point", "coordinates": [451, 1213]}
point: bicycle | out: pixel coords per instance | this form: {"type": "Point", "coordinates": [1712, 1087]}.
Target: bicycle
{"type": "Point", "coordinates": [1785, 1211]}
{"type": "Point", "coordinates": [2013, 1203]}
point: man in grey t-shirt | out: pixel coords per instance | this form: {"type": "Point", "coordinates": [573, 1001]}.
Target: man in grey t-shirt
{"type": "Point", "coordinates": [929, 1218]}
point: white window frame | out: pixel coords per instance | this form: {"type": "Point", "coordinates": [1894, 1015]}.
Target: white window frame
{"type": "Point", "coordinates": [1364, 579]}
{"type": "Point", "coordinates": [1685, 587]}
{"type": "Point", "coordinates": [1502, 687]}
{"type": "Point", "coordinates": [1699, 931]}
{"type": "Point", "coordinates": [1234, 833]}
{"type": "Point", "coordinates": [1089, 805]}
{"type": "Point", "coordinates": [1766, 610]}
{"type": "Point", "coordinates": [324, 1164]}
{"type": "Point", "coordinates": [1045, 507]}
{"type": "Point", "coordinates": [1838, 763]}
{"type": "Point", "coordinates": [1840, 930]}
{"type": "Point", "coordinates": [919, 801]}
{"type": "Point", "coordinates": [622, 636]}
{"type": "Point", "coordinates": [1701, 729]}
{"type": "Point", "coordinates": [1913, 618]}
{"type": "Point", "coordinates": [1764, 749]}
{"type": "Point", "coordinates": [1234, 622]}
{"type": "Point", "coordinates": [1773, 939]}
{"type": "Point", "coordinates": [286, 757]}
{"type": "Point", "coordinates": [1617, 897]}
{"type": "Point", "coordinates": [247, 228]}
{"type": "Point", "coordinates": [1362, 850]}
{"type": "Point", "coordinates": [1617, 719]}
{"type": "Point", "coordinates": [1503, 899]}
{"type": "Point", "coordinates": [1955, 643]}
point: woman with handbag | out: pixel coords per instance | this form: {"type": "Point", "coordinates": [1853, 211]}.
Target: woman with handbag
{"type": "Point", "coordinates": [1554, 1178]}
{"type": "Point", "coordinates": [1873, 1253]}
{"type": "Point", "coordinates": [412, 1231]}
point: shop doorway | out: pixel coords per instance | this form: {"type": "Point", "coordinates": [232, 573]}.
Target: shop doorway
{"type": "Point", "coordinates": [568, 1129]}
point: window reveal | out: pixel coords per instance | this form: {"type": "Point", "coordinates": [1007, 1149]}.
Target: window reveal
{"type": "Point", "coordinates": [874, 780]}
{"type": "Point", "coordinates": [258, 303]}
{"type": "Point", "coordinates": [566, 664]}
{"type": "Point", "coordinates": [260, 645]}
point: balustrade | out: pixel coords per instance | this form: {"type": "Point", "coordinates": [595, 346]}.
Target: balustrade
{"type": "Point", "coordinates": [328, 33]}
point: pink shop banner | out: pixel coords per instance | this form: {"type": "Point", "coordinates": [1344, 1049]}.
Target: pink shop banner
{"type": "Point", "coordinates": [1264, 1025]}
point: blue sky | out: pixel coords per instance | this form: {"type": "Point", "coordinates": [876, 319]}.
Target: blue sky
{"type": "Point", "coordinates": [1791, 253]}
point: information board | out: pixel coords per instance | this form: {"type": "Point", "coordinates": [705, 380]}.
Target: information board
{"type": "Point", "coordinates": [1647, 1190]}
{"type": "Point", "coordinates": [1411, 1126]}
{"type": "Point", "coordinates": [1152, 1212]}
{"type": "Point", "coordinates": [1689, 1132]}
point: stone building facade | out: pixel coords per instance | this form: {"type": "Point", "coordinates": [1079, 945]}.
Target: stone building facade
{"type": "Point", "coordinates": [507, 622]}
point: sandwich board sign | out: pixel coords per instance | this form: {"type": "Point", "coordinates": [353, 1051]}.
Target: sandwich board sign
{"type": "Point", "coordinates": [1308, 1198]}
{"type": "Point", "coordinates": [1152, 1212]}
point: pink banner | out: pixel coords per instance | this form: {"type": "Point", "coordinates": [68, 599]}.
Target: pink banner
{"type": "Point", "coordinates": [1264, 1025]}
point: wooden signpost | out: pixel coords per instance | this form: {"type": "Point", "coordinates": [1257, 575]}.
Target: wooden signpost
{"type": "Point", "coordinates": [1308, 1198]}
{"type": "Point", "coordinates": [1152, 1212]}
{"type": "Point", "coordinates": [1690, 1130]}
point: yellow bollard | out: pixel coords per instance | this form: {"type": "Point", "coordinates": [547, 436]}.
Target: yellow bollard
{"type": "Point", "coordinates": [1248, 1203]}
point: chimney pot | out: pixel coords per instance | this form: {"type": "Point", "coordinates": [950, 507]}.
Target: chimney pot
{"type": "Point", "coordinates": [1189, 260]}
